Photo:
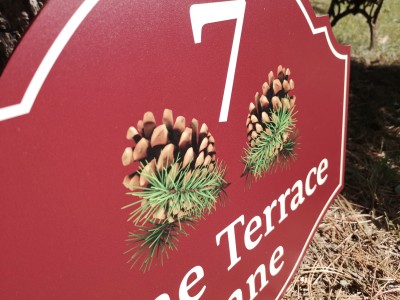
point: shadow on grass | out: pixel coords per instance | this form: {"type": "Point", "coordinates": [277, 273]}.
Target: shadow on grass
{"type": "Point", "coordinates": [373, 144]}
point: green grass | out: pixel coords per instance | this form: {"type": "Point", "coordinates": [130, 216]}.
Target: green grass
{"type": "Point", "coordinates": [354, 30]}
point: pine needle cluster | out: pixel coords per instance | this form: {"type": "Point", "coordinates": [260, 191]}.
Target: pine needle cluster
{"type": "Point", "coordinates": [154, 241]}
{"type": "Point", "coordinates": [270, 150]}
{"type": "Point", "coordinates": [175, 192]}
{"type": "Point", "coordinates": [270, 126]}
{"type": "Point", "coordinates": [177, 181]}
{"type": "Point", "coordinates": [175, 197]}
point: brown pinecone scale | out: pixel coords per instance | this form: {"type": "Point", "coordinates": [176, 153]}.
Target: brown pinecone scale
{"type": "Point", "coordinates": [168, 147]}
{"type": "Point", "coordinates": [270, 123]}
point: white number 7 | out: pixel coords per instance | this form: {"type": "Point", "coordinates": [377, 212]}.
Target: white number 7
{"type": "Point", "coordinates": [201, 14]}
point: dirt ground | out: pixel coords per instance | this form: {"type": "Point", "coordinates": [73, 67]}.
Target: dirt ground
{"type": "Point", "coordinates": [355, 253]}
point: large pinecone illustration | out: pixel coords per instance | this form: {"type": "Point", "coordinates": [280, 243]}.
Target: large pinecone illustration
{"type": "Point", "coordinates": [270, 126]}
{"type": "Point", "coordinates": [177, 181]}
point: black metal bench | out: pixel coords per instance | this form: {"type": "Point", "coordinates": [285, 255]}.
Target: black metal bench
{"type": "Point", "coordinates": [368, 8]}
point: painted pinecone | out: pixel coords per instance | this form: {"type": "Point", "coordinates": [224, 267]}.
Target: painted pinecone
{"type": "Point", "coordinates": [170, 147]}
{"type": "Point", "coordinates": [270, 115]}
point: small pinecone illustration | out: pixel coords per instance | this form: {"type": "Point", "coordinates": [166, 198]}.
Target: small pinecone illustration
{"type": "Point", "coordinates": [270, 125]}
{"type": "Point", "coordinates": [177, 181]}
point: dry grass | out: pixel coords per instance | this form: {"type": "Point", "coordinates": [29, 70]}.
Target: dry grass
{"type": "Point", "coordinates": [355, 253]}
{"type": "Point", "coordinates": [349, 258]}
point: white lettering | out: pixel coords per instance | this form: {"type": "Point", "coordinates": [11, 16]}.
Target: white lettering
{"type": "Point", "coordinates": [253, 288]}
{"type": "Point", "coordinates": [252, 284]}
{"type": "Point", "coordinates": [249, 232]}
{"type": "Point", "coordinates": [236, 295]}
{"type": "Point", "coordinates": [230, 230]}
{"type": "Point", "coordinates": [323, 165]}
{"type": "Point", "coordinates": [309, 190]}
{"type": "Point", "coordinates": [268, 217]}
{"type": "Point", "coordinates": [276, 256]}
{"type": "Point", "coordinates": [299, 196]}
{"type": "Point", "coordinates": [282, 202]}
{"type": "Point", "coordinates": [252, 235]}
{"type": "Point", "coordinates": [206, 13]}
{"type": "Point", "coordinates": [163, 297]}
{"type": "Point", "coordinates": [185, 287]}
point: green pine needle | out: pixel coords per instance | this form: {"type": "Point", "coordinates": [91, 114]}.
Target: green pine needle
{"type": "Point", "coordinates": [154, 240]}
{"type": "Point", "coordinates": [266, 155]}
{"type": "Point", "coordinates": [181, 196]}
{"type": "Point", "coordinates": [170, 192]}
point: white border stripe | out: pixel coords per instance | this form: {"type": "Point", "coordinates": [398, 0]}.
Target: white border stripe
{"type": "Point", "coordinates": [25, 106]}
{"type": "Point", "coordinates": [343, 150]}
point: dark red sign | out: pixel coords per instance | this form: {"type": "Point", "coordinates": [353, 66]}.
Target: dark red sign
{"type": "Point", "coordinates": [231, 121]}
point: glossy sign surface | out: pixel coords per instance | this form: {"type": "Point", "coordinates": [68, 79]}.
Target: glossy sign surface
{"type": "Point", "coordinates": [87, 70]}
